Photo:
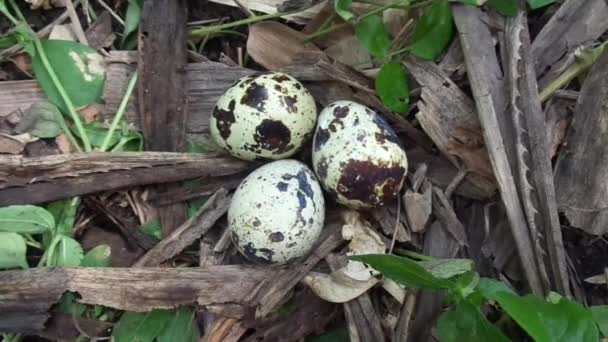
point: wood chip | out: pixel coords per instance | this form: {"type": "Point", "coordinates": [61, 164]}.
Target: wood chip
{"type": "Point", "coordinates": [10, 145]}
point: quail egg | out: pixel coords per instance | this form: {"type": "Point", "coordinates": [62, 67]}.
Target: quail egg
{"type": "Point", "coordinates": [357, 156]}
{"type": "Point", "coordinates": [266, 116]}
{"type": "Point", "coordinates": [277, 212]}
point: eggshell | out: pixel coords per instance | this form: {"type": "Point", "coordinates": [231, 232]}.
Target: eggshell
{"type": "Point", "coordinates": [267, 116]}
{"type": "Point", "coordinates": [277, 212]}
{"type": "Point", "coordinates": [357, 157]}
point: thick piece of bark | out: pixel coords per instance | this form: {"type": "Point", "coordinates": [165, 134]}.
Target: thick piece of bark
{"type": "Point", "coordinates": [187, 233]}
{"type": "Point", "coordinates": [18, 95]}
{"type": "Point", "coordinates": [363, 320]}
{"type": "Point", "coordinates": [575, 23]}
{"type": "Point", "coordinates": [43, 179]}
{"type": "Point", "coordinates": [26, 296]}
{"type": "Point", "coordinates": [534, 170]}
{"type": "Point", "coordinates": [163, 88]}
{"type": "Point", "coordinates": [582, 167]}
{"type": "Point", "coordinates": [443, 109]}
{"type": "Point", "coordinates": [488, 88]}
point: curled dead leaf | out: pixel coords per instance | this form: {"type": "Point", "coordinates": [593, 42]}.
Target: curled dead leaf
{"type": "Point", "coordinates": [468, 145]}
{"type": "Point", "coordinates": [337, 287]}
{"type": "Point", "coordinates": [275, 45]}
{"type": "Point", "coordinates": [363, 240]}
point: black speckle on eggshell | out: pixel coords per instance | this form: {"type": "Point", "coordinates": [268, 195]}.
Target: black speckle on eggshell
{"type": "Point", "coordinates": [290, 103]}
{"type": "Point", "coordinates": [276, 237]}
{"type": "Point", "coordinates": [255, 96]}
{"type": "Point", "coordinates": [321, 137]}
{"type": "Point", "coordinates": [273, 135]}
{"type": "Point", "coordinates": [359, 180]}
{"type": "Point", "coordinates": [224, 119]}
{"type": "Point", "coordinates": [261, 255]}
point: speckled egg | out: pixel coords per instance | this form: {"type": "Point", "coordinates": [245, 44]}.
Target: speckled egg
{"type": "Point", "coordinates": [357, 156]}
{"type": "Point", "coordinates": [267, 116]}
{"type": "Point", "coordinates": [277, 212]}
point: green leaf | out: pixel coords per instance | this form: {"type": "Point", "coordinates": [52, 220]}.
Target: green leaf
{"type": "Point", "coordinates": [373, 35]}
{"type": "Point", "coordinates": [141, 326]}
{"type": "Point", "coordinates": [25, 37]}
{"type": "Point", "coordinates": [42, 120]}
{"type": "Point", "coordinates": [79, 68]}
{"type": "Point", "coordinates": [447, 268]}
{"type": "Point", "coordinates": [465, 284]}
{"type": "Point", "coordinates": [67, 253]}
{"type": "Point", "coordinates": [471, 2]}
{"type": "Point", "coordinates": [12, 250]}
{"type": "Point", "coordinates": [465, 322]}
{"type": "Point", "coordinates": [181, 327]}
{"type": "Point", "coordinates": [337, 335]}
{"type": "Point", "coordinates": [97, 133]}
{"type": "Point", "coordinates": [8, 41]}
{"type": "Point", "coordinates": [69, 305]}
{"type": "Point", "coordinates": [547, 322]}
{"type": "Point", "coordinates": [342, 8]}
{"type": "Point", "coordinates": [194, 147]}
{"type": "Point", "coordinates": [26, 219]}
{"type": "Point", "coordinates": [488, 288]}
{"type": "Point", "coordinates": [64, 212]}
{"type": "Point", "coordinates": [152, 228]}
{"type": "Point", "coordinates": [402, 270]}
{"type": "Point", "coordinates": [433, 32]}
{"type": "Point", "coordinates": [505, 7]}
{"type": "Point", "coordinates": [195, 204]}
{"type": "Point", "coordinates": [98, 256]}
{"type": "Point", "coordinates": [600, 315]}
{"type": "Point", "coordinates": [534, 4]}
{"type": "Point", "coordinates": [392, 87]}
{"type": "Point", "coordinates": [132, 19]}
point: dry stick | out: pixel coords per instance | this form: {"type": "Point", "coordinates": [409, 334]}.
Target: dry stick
{"type": "Point", "coordinates": [112, 13]}
{"type": "Point", "coordinates": [76, 25]}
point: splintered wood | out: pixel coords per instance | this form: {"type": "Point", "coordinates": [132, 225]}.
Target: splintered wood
{"type": "Point", "coordinates": [44, 179]}
{"type": "Point", "coordinates": [27, 296]}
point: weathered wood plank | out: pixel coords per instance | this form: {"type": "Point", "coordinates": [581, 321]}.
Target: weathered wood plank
{"type": "Point", "coordinates": [582, 167]}
{"type": "Point", "coordinates": [26, 296]}
{"type": "Point", "coordinates": [43, 179]}
{"type": "Point", "coordinates": [488, 88]}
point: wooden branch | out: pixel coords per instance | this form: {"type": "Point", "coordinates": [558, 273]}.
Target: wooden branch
{"type": "Point", "coordinates": [26, 296]}
{"type": "Point", "coordinates": [582, 166]}
{"type": "Point", "coordinates": [163, 88]}
{"type": "Point", "coordinates": [485, 75]}
{"type": "Point", "coordinates": [43, 179]}
{"type": "Point", "coordinates": [187, 233]}
{"type": "Point", "coordinates": [535, 174]}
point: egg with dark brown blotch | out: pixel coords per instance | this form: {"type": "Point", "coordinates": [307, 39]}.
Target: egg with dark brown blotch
{"type": "Point", "coordinates": [357, 156]}
{"type": "Point", "coordinates": [277, 212]}
{"type": "Point", "coordinates": [266, 116]}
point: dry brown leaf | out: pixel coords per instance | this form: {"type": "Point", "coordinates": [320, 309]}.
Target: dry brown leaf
{"type": "Point", "coordinates": [91, 112]}
{"type": "Point", "coordinates": [337, 287]}
{"type": "Point", "coordinates": [351, 52]}
{"type": "Point", "coordinates": [332, 37]}
{"type": "Point", "coordinates": [63, 144]}
{"type": "Point", "coordinates": [363, 240]}
{"type": "Point", "coordinates": [418, 208]}
{"type": "Point", "coordinates": [275, 45]}
{"type": "Point", "coordinates": [23, 62]}
{"type": "Point", "coordinates": [468, 145]}
{"type": "Point", "coordinates": [270, 6]}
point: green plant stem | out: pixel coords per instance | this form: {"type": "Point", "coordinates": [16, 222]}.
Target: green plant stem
{"type": "Point", "coordinates": [73, 114]}
{"type": "Point", "coordinates": [573, 71]}
{"type": "Point", "coordinates": [398, 4]}
{"type": "Point", "coordinates": [47, 65]}
{"type": "Point", "coordinates": [68, 133]}
{"type": "Point", "coordinates": [8, 14]}
{"type": "Point", "coordinates": [203, 31]}
{"type": "Point", "coordinates": [119, 113]}
{"type": "Point", "coordinates": [413, 255]}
